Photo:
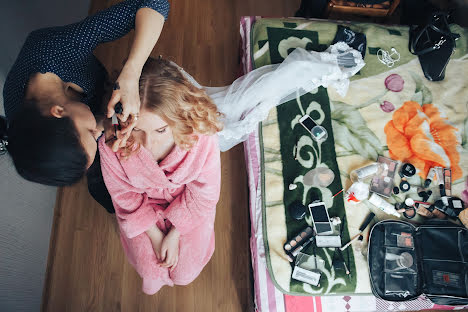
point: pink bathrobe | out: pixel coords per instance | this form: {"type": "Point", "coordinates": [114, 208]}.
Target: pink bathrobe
{"type": "Point", "coordinates": [182, 191]}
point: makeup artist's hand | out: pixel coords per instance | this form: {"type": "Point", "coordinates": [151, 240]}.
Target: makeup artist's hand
{"type": "Point", "coordinates": [116, 140]}
{"type": "Point", "coordinates": [170, 249]}
{"type": "Point", "coordinates": [126, 91]}
{"type": "Point", "coordinates": [156, 236]}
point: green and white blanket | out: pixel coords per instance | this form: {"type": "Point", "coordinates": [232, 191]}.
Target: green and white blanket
{"type": "Point", "coordinates": [355, 124]}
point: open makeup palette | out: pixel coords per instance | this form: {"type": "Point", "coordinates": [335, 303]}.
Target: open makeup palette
{"type": "Point", "coordinates": [406, 261]}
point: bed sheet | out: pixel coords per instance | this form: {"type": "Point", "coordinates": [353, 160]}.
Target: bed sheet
{"type": "Point", "coordinates": [267, 296]}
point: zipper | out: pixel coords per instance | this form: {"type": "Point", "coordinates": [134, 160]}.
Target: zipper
{"type": "Point", "coordinates": [446, 296]}
{"type": "Point", "coordinates": [444, 260]}
{"type": "Point", "coordinates": [459, 228]}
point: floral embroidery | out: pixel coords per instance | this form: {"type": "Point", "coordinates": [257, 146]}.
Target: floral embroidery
{"type": "Point", "coordinates": [387, 106]}
{"type": "Point", "coordinates": [420, 135]}
{"type": "Point", "coordinates": [394, 83]}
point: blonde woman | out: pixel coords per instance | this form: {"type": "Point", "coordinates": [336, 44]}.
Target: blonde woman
{"type": "Point", "coordinates": [165, 182]}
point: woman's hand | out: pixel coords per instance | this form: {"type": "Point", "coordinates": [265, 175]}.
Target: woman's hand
{"type": "Point", "coordinates": [126, 92]}
{"type": "Point", "coordinates": [116, 139]}
{"type": "Point", "coordinates": [157, 238]}
{"type": "Point", "coordinates": [148, 26]}
{"type": "Point", "coordinates": [170, 249]}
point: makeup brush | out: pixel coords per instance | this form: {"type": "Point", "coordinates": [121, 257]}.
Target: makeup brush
{"type": "Point", "coordinates": [363, 226]}
{"type": "Point", "coordinates": [355, 237]}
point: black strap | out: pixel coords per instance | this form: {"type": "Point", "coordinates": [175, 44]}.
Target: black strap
{"type": "Point", "coordinates": [415, 35]}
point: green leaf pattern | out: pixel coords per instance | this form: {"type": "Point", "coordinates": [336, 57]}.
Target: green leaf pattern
{"type": "Point", "coordinates": [464, 134]}
{"type": "Point", "coordinates": [351, 131]}
{"type": "Point", "coordinates": [422, 94]}
{"type": "Point", "coordinates": [309, 156]}
{"type": "Point", "coordinates": [292, 43]}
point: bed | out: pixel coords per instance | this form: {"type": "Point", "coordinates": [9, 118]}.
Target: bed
{"type": "Point", "coordinates": [356, 124]}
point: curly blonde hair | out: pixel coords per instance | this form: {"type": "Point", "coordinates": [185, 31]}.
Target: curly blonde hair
{"type": "Point", "coordinates": [187, 110]}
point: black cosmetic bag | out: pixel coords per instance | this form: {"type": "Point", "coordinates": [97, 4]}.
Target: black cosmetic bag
{"type": "Point", "coordinates": [406, 261]}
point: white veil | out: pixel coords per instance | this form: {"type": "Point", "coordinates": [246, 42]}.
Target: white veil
{"type": "Point", "coordinates": [249, 98]}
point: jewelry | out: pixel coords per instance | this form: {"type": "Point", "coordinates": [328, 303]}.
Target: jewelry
{"type": "Point", "coordinates": [3, 146]}
{"type": "Point", "coordinates": [387, 58]}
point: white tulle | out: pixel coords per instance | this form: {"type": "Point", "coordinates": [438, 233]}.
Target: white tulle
{"type": "Point", "coordinates": [249, 98]}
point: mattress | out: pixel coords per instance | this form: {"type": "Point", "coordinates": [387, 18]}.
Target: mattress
{"type": "Point", "coordinates": [271, 295]}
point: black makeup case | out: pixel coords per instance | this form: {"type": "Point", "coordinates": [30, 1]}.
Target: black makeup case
{"type": "Point", "coordinates": [406, 261]}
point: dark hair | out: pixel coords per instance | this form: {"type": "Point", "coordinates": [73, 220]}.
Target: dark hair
{"type": "Point", "coordinates": [45, 149]}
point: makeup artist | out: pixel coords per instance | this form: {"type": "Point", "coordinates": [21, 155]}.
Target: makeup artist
{"type": "Point", "coordinates": [53, 92]}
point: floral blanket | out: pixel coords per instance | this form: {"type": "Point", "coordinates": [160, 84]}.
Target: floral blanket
{"type": "Point", "coordinates": [393, 112]}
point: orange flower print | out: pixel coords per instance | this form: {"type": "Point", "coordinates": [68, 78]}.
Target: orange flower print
{"type": "Point", "coordinates": [421, 136]}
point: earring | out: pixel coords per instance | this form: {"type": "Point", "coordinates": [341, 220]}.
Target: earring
{"type": "Point", "coordinates": [3, 146]}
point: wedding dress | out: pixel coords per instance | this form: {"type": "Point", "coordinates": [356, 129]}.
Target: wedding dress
{"type": "Point", "coordinates": [249, 98]}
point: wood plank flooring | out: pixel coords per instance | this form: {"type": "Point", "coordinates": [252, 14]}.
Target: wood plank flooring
{"type": "Point", "coordinates": [87, 270]}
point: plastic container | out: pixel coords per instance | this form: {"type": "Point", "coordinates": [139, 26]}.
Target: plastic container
{"type": "Point", "coordinates": [366, 172]}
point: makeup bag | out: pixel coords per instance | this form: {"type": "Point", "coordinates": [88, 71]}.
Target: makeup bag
{"type": "Point", "coordinates": [406, 261]}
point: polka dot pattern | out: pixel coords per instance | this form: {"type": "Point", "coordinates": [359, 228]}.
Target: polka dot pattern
{"type": "Point", "coordinates": [67, 51]}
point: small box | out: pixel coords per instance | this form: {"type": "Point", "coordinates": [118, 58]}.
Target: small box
{"type": "Point", "coordinates": [331, 240]}
{"type": "Point", "coordinates": [308, 268]}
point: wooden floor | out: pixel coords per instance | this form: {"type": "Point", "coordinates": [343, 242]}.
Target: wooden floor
{"type": "Point", "coordinates": [87, 270]}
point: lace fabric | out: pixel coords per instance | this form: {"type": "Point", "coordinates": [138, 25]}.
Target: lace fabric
{"type": "Point", "coordinates": [249, 98]}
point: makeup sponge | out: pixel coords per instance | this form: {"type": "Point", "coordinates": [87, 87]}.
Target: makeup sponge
{"type": "Point", "coordinates": [297, 210]}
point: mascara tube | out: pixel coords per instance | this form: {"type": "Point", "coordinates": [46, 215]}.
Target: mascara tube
{"type": "Point", "coordinates": [430, 177]}
{"type": "Point", "coordinates": [115, 123]}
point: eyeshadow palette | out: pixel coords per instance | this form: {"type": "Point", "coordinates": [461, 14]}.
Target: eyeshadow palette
{"type": "Point", "coordinates": [298, 242]}
{"type": "Point", "coordinates": [382, 183]}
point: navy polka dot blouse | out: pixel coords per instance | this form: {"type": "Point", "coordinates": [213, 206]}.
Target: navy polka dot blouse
{"type": "Point", "coordinates": [67, 51]}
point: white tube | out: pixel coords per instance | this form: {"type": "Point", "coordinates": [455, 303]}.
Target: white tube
{"type": "Point", "coordinates": [439, 175]}
{"type": "Point", "coordinates": [383, 205]}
